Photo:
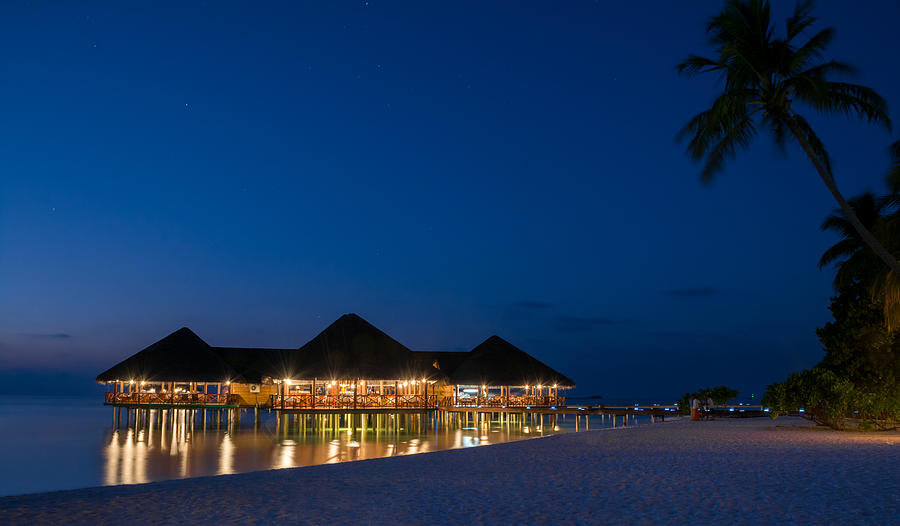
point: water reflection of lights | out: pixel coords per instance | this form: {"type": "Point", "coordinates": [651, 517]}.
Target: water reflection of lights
{"type": "Point", "coordinates": [173, 443]}
{"type": "Point", "coordinates": [226, 455]}
{"type": "Point", "coordinates": [334, 452]}
{"type": "Point", "coordinates": [468, 441]}
{"type": "Point", "coordinates": [113, 458]}
{"type": "Point", "coordinates": [286, 455]}
{"type": "Point", "coordinates": [126, 459]}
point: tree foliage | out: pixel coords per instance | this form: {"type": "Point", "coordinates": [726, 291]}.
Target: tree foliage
{"type": "Point", "coordinates": [765, 80]}
{"type": "Point", "coordinates": [769, 81]}
{"type": "Point", "coordinates": [857, 380]}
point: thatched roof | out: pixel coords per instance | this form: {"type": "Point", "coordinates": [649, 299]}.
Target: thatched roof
{"type": "Point", "coordinates": [351, 347]}
{"type": "Point", "coordinates": [180, 356]}
{"type": "Point", "coordinates": [497, 362]}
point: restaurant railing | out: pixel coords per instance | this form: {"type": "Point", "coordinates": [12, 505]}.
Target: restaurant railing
{"type": "Point", "coordinates": [503, 401]}
{"type": "Point", "coordinates": [349, 401]}
{"type": "Point", "coordinates": [169, 398]}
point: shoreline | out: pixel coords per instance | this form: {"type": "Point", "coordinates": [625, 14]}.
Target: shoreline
{"type": "Point", "coordinates": [760, 469]}
{"type": "Point", "coordinates": [351, 461]}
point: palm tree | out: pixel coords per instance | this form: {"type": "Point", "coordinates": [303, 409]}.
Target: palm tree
{"type": "Point", "coordinates": [855, 262]}
{"type": "Point", "coordinates": [765, 79]}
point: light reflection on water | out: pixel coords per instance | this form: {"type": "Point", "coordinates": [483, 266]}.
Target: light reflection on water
{"type": "Point", "coordinates": [176, 444]}
{"type": "Point", "coordinates": [64, 444]}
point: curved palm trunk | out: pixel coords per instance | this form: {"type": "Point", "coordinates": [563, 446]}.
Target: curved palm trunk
{"type": "Point", "coordinates": [828, 179]}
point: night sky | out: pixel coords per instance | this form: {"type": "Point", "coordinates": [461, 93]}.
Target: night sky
{"type": "Point", "coordinates": [448, 172]}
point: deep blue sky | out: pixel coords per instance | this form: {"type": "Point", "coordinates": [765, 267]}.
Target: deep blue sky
{"type": "Point", "coordinates": [446, 171]}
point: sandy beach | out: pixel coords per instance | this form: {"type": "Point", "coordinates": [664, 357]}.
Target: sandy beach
{"type": "Point", "coordinates": [751, 471]}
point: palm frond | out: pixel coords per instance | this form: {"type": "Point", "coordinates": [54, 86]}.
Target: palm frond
{"type": "Point", "coordinates": [812, 50]}
{"type": "Point", "coordinates": [842, 249]}
{"type": "Point", "coordinates": [717, 133]}
{"type": "Point", "coordinates": [837, 222]}
{"type": "Point", "coordinates": [851, 100]}
{"type": "Point", "coordinates": [695, 65]}
{"type": "Point", "coordinates": [801, 19]}
{"type": "Point", "coordinates": [821, 71]}
{"type": "Point", "coordinates": [737, 136]}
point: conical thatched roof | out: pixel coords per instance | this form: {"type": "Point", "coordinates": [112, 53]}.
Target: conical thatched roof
{"type": "Point", "coordinates": [351, 347]}
{"type": "Point", "coordinates": [497, 362]}
{"type": "Point", "coordinates": [180, 356]}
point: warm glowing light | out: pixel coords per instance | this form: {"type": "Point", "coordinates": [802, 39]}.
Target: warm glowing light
{"type": "Point", "coordinates": [333, 382]}
{"type": "Point", "coordinates": [484, 387]}
{"type": "Point", "coordinates": [131, 382]}
{"type": "Point", "coordinates": [142, 382]}
{"type": "Point", "coordinates": [539, 386]}
{"type": "Point", "coordinates": [404, 384]}
{"type": "Point", "coordinates": [228, 382]}
{"type": "Point", "coordinates": [287, 381]}
{"type": "Point", "coordinates": [554, 386]}
{"type": "Point", "coordinates": [526, 387]}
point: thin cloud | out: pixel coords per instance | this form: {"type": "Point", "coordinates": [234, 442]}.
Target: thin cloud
{"type": "Point", "coordinates": [50, 335]}
{"type": "Point", "coordinates": [692, 292]}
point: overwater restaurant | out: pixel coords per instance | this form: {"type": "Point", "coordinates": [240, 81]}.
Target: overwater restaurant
{"type": "Point", "coordinates": [351, 365]}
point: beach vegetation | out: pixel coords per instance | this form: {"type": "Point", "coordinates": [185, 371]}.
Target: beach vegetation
{"type": "Point", "coordinates": [857, 383]}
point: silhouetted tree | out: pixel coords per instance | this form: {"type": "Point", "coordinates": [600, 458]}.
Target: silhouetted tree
{"type": "Point", "coordinates": [855, 261]}
{"type": "Point", "coordinates": [859, 376]}
{"type": "Point", "coordinates": [765, 79]}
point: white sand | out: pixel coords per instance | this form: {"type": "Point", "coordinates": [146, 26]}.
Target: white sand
{"type": "Point", "coordinates": [751, 471]}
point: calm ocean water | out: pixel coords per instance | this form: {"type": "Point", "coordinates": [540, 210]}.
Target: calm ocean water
{"type": "Point", "coordinates": [51, 444]}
